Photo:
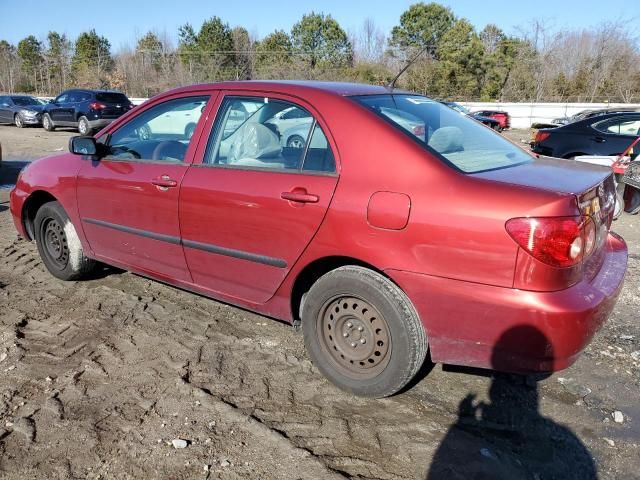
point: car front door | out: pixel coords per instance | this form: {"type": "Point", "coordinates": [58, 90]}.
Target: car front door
{"type": "Point", "coordinates": [56, 109]}
{"type": "Point", "coordinates": [128, 200]}
{"type": "Point", "coordinates": [248, 206]}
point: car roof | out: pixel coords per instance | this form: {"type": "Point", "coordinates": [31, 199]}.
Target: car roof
{"type": "Point", "coordinates": [289, 86]}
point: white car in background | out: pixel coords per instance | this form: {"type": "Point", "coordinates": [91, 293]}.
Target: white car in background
{"type": "Point", "coordinates": [179, 122]}
{"type": "Point", "coordinates": [290, 118]}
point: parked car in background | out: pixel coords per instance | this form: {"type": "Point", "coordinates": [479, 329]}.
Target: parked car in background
{"type": "Point", "coordinates": [503, 118]}
{"type": "Point", "coordinates": [179, 123]}
{"type": "Point", "coordinates": [289, 118]}
{"type": "Point", "coordinates": [86, 110]}
{"type": "Point", "coordinates": [21, 110]}
{"type": "Point", "coordinates": [584, 114]}
{"type": "Point", "coordinates": [489, 122]}
{"type": "Point", "coordinates": [606, 134]}
{"type": "Point", "coordinates": [372, 237]}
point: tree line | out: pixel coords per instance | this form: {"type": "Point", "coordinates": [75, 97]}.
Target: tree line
{"type": "Point", "coordinates": [453, 59]}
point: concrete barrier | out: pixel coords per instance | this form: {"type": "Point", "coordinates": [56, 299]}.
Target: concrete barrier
{"type": "Point", "coordinates": [524, 114]}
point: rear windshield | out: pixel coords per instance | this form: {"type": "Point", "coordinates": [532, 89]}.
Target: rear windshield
{"type": "Point", "coordinates": [458, 139]}
{"type": "Point", "coordinates": [110, 97]}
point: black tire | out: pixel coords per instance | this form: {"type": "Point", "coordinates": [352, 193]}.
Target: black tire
{"type": "Point", "coordinates": [355, 303]}
{"type": "Point", "coordinates": [59, 245]}
{"type": "Point", "coordinates": [84, 128]}
{"type": "Point", "coordinates": [295, 141]}
{"type": "Point", "coordinates": [47, 123]}
{"type": "Point", "coordinates": [18, 121]}
{"type": "Point", "coordinates": [619, 205]}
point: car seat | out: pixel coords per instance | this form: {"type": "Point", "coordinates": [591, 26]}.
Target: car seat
{"type": "Point", "coordinates": [256, 145]}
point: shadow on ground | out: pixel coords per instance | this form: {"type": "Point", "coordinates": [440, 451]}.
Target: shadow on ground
{"type": "Point", "coordinates": [517, 442]}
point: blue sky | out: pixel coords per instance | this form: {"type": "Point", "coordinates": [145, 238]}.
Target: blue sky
{"type": "Point", "coordinates": [122, 21]}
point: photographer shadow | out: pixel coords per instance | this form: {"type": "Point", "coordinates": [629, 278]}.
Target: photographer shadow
{"type": "Point", "coordinates": [507, 438]}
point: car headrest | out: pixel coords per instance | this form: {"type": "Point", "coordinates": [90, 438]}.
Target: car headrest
{"type": "Point", "coordinates": [254, 140]}
{"type": "Point", "coordinates": [446, 140]}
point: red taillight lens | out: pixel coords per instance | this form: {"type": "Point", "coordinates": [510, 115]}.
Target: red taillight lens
{"type": "Point", "coordinates": [97, 106]}
{"type": "Point", "coordinates": [556, 241]}
{"type": "Point", "coordinates": [419, 130]}
{"type": "Point", "coordinates": [541, 136]}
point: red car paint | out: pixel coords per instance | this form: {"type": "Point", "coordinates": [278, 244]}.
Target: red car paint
{"type": "Point", "coordinates": [503, 118]}
{"type": "Point", "coordinates": [392, 205]}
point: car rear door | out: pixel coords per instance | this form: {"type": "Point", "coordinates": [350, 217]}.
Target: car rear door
{"type": "Point", "coordinates": [248, 207]}
{"type": "Point", "coordinates": [128, 200]}
{"type": "Point", "coordinates": [614, 135]}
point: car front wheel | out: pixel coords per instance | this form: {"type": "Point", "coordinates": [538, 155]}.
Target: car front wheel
{"type": "Point", "coordinates": [362, 332]}
{"type": "Point", "coordinates": [18, 120]}
{"type": "Point", "coordinates": [59, 245]}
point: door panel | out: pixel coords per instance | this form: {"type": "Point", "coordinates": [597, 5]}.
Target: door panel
{"type": "Point", "coordinates": [240, 236]}
{"type": "Point", "coordinates": [128, 201]}
{"type": "Point", "coordinates": [128, 218]}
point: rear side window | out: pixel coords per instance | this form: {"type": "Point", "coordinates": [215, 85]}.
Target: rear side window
{"type": "Point", "coordinates": [620, 126]}
{"type": "Point", "coordinates": [268, 134]}
{"type": "Point", "coordinates": [112, 97]}
{"type": "Point", "coordinates": [461, 141]}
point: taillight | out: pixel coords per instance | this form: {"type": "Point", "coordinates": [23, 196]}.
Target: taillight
{"type": "Point", "coordinates": [418, 131]}
{"type": "Point", "coordinates": [97, 106]}
{"type": "Point", "coordinates": [556, 241]}
{"type": "Point", "coordinates": [542, 136]}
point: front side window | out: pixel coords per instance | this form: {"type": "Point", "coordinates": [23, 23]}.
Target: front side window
{"type": "Point", "coordinates": [461, 141]}
{"type": "Point", "coordinates": [264, 133]}
{"type": "Point", "coordinates": [161, 133]}
{"type": "Point", "coordinates": [62, 98]}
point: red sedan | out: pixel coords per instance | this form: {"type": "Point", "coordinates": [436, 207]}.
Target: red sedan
{"type": "Point", "coordinates": [386, 245]}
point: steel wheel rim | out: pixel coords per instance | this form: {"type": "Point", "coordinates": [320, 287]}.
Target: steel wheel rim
{"type": "Point", "coordinates": [296, 142]}
{"type": "Point", "coordinates": [55, 245]}
{"type": "Point", "coordinates": [355, 337]}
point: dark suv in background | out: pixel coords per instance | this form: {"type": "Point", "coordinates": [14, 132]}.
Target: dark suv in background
{"type": "Point", "coordinates": [87, 110]}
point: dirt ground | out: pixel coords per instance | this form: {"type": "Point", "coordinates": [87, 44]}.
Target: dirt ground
{"type": "Point", "coordinates": [97, 378]}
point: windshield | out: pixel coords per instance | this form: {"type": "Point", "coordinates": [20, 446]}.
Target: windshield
{"type": "Point", "coordinates": [461, 141]}
{"type": "Point", "coordinates": [25, 101]}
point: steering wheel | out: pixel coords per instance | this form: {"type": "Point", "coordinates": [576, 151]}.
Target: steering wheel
{"type": "Point", "coordinates": [169, 148]}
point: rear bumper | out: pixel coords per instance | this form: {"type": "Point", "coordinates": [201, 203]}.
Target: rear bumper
{"type": "Point", "coordinates": [514, 330]}
{"type": "Point", "coordinates": [100, 122]}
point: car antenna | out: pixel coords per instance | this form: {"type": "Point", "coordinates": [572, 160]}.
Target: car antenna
{"type": "Point", "coordinates": [392, 84]}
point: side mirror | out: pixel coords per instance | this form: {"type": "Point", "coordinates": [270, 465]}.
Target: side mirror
{"type": "Point", "coordinates": [83, 146]}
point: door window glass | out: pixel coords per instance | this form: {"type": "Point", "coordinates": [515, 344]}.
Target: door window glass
{"type": "Point", "coordinates": [264, 133]}
{"type": "Point", "coordinates": [161, 133]}
{"type": "Point", "coordinates": [620, 126]}
{"type": "Point", "coordinates": [319, 157]}
{"type": "Point", "coordinates": [62, 98]}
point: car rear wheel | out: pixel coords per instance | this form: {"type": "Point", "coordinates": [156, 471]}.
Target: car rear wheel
{"type": "Point", "coordinates": [17, 119]}
{"type": "Point", "coordinates": [362, 332]}
{"type": "Point", "coordinates": [47, 123]}
{"type": "Point", "coordinates": [59, 245]}
{"type": "Point", "coordinates": [295, 141]}
{"type": "Point", "coordinates": [84, 128]}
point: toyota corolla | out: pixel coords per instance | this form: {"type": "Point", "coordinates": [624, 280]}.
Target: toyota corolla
{"type": "Point", "coordinates": [388, 246]}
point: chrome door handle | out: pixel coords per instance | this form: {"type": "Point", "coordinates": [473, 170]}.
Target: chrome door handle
{"type": "Point", "coordinates": [164, 181]}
